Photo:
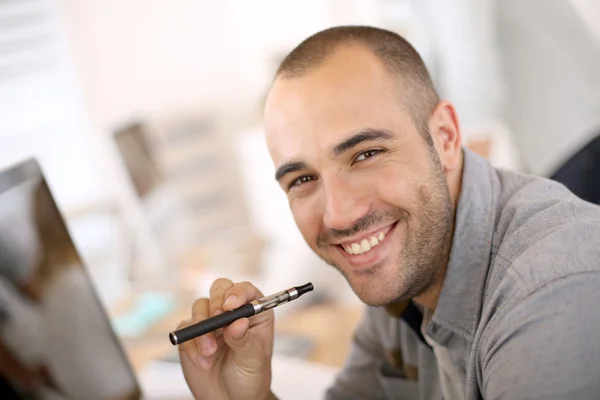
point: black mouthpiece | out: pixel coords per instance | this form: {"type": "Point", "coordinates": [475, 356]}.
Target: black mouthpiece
{"type": "Point", "coordinates": [304, 288]}
{"type": "Point", "coordinates": [173, 338]}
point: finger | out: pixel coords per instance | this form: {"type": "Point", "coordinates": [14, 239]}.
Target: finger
{"type": "Point", "coordinates": [237, 335]}
{"type": "Point", "coordinates": [190, 351]}
{"type": "Point", "coordinates": [244, 346]}
{"type": "Point", "coordinates": [217, 294]}
{"type": "Point", "coordinates": [239, 294]}
{"type": "Point", "coordinates": [206, 344]}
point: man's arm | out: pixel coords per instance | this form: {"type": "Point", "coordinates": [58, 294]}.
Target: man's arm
{"type": "Point", "coordinates": [548, 345]}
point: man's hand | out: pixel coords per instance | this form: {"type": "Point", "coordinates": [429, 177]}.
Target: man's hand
{"type": "Point", "coordinates": [233, 363]}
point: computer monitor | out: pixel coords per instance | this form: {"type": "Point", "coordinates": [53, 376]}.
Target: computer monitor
{"type": "Point", "coordinates": [138, 158]}
{"type": "Point", "coordinates": [166, 219]}
{"type": "Point", "coordinates": [56, 338]}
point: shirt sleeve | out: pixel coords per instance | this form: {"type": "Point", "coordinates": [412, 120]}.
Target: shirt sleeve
{"type": "Point", "coordinates": [546, 347]}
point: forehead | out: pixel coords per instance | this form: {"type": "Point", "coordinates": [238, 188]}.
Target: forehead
{"type": "Point", "coordinates": [349, 92]}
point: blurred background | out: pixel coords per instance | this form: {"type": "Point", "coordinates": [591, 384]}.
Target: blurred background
{"type": "Point", "coordinates": [145, 117]}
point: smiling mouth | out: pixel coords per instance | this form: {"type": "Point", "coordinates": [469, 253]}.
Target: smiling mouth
{"type": "Point", "coordinates": [366, 244]}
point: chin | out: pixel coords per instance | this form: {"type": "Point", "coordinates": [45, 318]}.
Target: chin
{"type": "Point", "coordinates": [375, 299]}
{"type": "Point", "coordinates": [373, 286]}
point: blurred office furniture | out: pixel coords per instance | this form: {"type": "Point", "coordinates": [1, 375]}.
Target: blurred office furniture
{"type": "Point", "coordinates": [292, 379]}
{"type": "Point", "coordinates": [55, 291]}
{"type": "Point", "coordinates": [186, 188]}
{"type": "Point", "coordinates": [159, 216]}
{"type": "Point", "coordinates": [43, 114]}
{"type": "Point", "coordinates": [106, 245]}
{"type": "Point", "coordinates": [196, 155]}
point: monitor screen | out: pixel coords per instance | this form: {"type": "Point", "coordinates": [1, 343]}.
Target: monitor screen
{"type": "Point", "coordinates": [56, 340]}
{"type": "Point", "coordinates": [138, 158]}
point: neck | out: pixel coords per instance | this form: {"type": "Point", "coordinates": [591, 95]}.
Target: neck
{"type": "Point", "coordinates": [429, 298]}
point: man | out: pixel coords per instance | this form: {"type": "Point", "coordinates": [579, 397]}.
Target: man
{"type": "Point", "coordinates": [479, 281]}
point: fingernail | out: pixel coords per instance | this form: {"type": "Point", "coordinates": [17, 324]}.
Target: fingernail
{"type": "Point", "coordinates": [230, 299]}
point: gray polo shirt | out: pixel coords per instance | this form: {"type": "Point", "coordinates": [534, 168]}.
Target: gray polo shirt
{"type": "Point", "coordinates": [518, 316]}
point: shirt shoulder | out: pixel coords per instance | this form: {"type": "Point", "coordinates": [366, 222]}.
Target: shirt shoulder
{"type": "Point", "coordinates": [544, 232]}
{"type": "Point", "coordinates": [544, 271]}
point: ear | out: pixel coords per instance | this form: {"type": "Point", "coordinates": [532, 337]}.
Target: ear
{"type": "Point", "coordinates": [445, 132]}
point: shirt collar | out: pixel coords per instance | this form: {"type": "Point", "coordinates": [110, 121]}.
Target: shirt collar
{"type": "Point", "coordinates": [459, 304]}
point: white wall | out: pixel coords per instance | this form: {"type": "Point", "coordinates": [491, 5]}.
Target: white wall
{"type": "Point", "coordinates": [41, 109]}
{"type": "Point", "coordinates": [154, 57]}
{"type": "Point", "coordinates": [151, 56]}
{"type": "Point", "coordinates": [147, 59]}
{"type": "Point", "coordinates": [153, 60]}
{"type": "Point", "coordinates": [43, 115]}
{"type": "Point", "coordinates": [265, 30]}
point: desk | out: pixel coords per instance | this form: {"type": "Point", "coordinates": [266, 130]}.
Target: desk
{"type": "Point", "coordinates": [331, 326]}
{"type": "Point", "coordinates": [154, 343]}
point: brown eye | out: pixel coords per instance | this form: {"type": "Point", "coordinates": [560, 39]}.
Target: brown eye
{"type": "Point", "coordinates": [301, 180]}
{"type": "Point", "coordinates": [367, 154]}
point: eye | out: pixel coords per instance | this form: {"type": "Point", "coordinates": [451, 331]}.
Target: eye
{"type": "Point", "coordinates": [367, 154]}
{"type": "Point", "coordinates": [299, 181]}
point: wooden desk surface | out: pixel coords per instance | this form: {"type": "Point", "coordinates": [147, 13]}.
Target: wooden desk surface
{"type": "Point", "coordinates": [154, 343]}
{"type": "Point", "coordinates": [331, 326]}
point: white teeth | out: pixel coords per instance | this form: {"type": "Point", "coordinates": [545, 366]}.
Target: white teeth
{"type": "Point", "coordinates": [365, 244]}
{"type": "Point", "coordinates": [373, 241]}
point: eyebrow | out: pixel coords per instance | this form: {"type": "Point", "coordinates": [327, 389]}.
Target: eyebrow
{"type": "Point", "coordinates": [347, 144]}
{"type": "Point", "coordinates": [288, 168]}
{"type": "Point", "coordinates": [360, 137]}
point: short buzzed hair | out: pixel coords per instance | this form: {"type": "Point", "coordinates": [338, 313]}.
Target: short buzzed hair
{"type": "Point", "coordinates": [398, 56]}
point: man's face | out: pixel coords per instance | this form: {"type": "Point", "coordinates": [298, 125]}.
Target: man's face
{"type": "Point", "coordinates": [368, 194]}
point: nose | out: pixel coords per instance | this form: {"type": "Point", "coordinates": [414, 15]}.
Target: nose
{"type": "Point", "coordinates": [344, 204]}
